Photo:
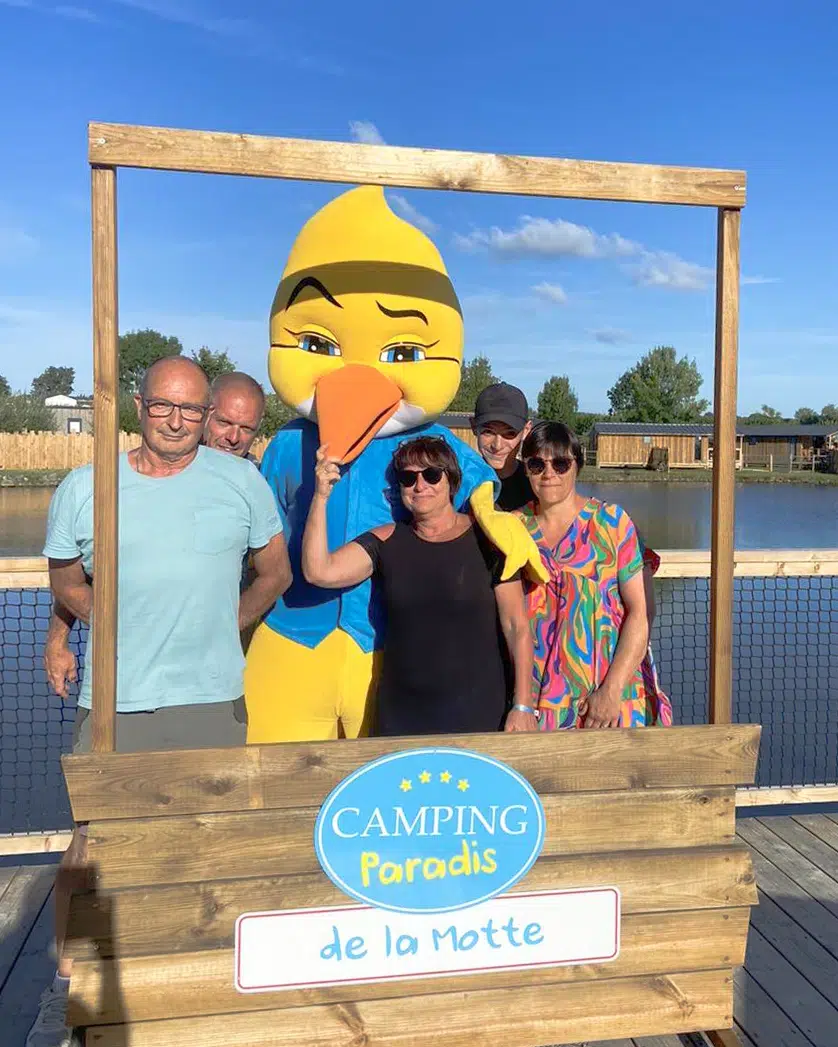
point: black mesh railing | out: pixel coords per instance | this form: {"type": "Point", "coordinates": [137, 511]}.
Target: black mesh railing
{"type": "Point", "coordinates": [785, 677]}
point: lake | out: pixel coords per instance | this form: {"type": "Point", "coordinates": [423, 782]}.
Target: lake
{"type": "Point", "coordinates": [669, 515]}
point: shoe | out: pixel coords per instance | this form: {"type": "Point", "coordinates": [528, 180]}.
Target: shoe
{"type": "Point", "coordinates": [50, 1028]}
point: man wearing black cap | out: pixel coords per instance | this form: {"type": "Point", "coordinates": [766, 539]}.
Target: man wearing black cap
{"type": "Point", "coordinates": [501, 421]}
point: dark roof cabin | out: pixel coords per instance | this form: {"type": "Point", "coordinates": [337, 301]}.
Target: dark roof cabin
{"type": "Point", "coordinates": [626, 444]}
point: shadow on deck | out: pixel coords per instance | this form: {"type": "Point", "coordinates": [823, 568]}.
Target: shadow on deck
{"type": "Point", "coordinates": [786, 996]}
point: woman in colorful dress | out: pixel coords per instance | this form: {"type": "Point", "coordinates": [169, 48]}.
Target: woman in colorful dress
{"type": "Point", "coordinates": [593, 667]}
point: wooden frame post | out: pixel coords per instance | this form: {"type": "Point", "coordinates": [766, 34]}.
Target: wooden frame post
{"type": "Point", "coordinates": [724, 466]}
{"type": "Point", "coordinates": [106, 455]}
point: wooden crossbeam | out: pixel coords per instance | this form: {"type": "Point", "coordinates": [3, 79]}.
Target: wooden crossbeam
{"type": "Point", "coordinates": [214, 152]}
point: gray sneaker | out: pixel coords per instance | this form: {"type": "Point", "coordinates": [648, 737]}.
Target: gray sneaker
{"type": "Point", "coordinates": [50, 1028]}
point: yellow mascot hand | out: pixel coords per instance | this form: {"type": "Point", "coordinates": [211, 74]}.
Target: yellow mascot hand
{"type": "Point", "coordinates": [509, 534]}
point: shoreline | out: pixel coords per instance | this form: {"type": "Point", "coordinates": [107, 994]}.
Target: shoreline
{"type": "Point", "coordinates": [53, 477]}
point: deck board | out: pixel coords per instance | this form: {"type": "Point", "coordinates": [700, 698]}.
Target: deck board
{"type": "Point", "coordinates": [26, 931]}
{"type": "Point", "coordinates": [785, 995]}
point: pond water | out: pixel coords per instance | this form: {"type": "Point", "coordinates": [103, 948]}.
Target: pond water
{"type": "Point", "coordinates": [669, 515]}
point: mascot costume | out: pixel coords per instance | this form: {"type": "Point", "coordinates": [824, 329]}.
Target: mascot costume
{"type": "Point", "coordinates": [367, 347]}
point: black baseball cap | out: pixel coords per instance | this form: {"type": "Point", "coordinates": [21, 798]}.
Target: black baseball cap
{"type": "Point", "coordinates": [502, 403]}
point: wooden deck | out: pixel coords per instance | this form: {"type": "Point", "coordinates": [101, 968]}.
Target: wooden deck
{"type": "Point", "coordinates": [787, 995]}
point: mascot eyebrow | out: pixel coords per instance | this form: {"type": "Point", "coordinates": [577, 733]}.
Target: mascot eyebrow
{"type": "Point", "coordinates": [312, 281]}
{"type": "Point", "coordinates": [396, 313]}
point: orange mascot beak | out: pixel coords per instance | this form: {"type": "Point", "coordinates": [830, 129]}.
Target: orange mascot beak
{"type": "Point", "coordinates": [353, 403]}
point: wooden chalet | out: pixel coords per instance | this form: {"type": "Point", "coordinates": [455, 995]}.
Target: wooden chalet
{"type": "Point", "coordinates": [781, 446]}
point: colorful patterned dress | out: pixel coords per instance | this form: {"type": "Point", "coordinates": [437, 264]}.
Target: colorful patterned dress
{"type": "Point", "coordinates": [576, 618]}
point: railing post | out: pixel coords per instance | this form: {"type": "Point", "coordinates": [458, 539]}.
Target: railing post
{"type": "Point", "coordinates": [105, 456]}
{"type": "Point", "coordinates": [724, 466]}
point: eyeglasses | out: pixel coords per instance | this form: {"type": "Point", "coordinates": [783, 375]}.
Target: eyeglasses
{"type": "Point", "coordinates": [163, 408]}
{"type": "Point", "coordinates": [408, 477]}
{"type": "Point", "coordinates": [536, 465]}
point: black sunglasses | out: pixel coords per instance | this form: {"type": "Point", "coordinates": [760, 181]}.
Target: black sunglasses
{"type": "Point", "coordinates": [537, 465]}
{"type": "Point", "coordinates": [408, 477]}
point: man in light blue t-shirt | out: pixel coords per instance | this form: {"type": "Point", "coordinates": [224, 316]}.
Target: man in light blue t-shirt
{"type": "Point", "coordinates": [187, 516]}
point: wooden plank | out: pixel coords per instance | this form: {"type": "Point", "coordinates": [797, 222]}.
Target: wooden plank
{"type": "Point", "coordinates": [212, 152]}
{"type": "Point", "coordinates": [658, 1041]}
{"type": "Point", "coordinates": [195, 916]}
{"type": "Point", "coordinates": [815, 962]}
{"type": "Point", "coordinates": [724, 1038]}
{"type": "Point", "coordinates": [32, 972]}
{"type": "Point", "coordinates": [762, 1019]}
{"type": "Point", "coordinates": [22, 900]}
{"type": "Point", "coordinates": [295, 775]}
{"type": "Point", "coordinates": [794, 900]}
{"type": "Point", "coordinates": [651, 943]}
{"type": "Point", "coordinates": [820, 854]}
{"type": "Point", "coordinates": [106, 456]}
{"type": "Point", "coordinates": [824, 828]}
{"type": "Point", "coordinates": [752, 563]}
{"type": "Point", "coordinates": [810, 1011]}
{"type": "Point", "coordinates": [514, 1017]}
{"type": "Point", "coordinates": [34, 843]}
{"type": "Point", "coordinates": [779, 795]}
{"type": "Point", "coordinates": [724, 467]}
{"type": "Point", "coordinates": [137, 852]}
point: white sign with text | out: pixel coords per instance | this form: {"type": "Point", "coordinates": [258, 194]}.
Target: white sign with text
{"type": "Point", "coordinates": [353, 944]}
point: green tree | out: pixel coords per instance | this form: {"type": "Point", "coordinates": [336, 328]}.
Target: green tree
{"type": "Point", "coordinates": [764, 416]}
{"type": "Point", "coordinates": [5, 388]}
{"type": "Point", "coordinates": [829, 414]}
{"type": "Point", "coordinates": [806, 416]}
{"type": "Point", "coordinates": [586, 420]}
{"type": "Point", "coordinates": [24, 413]}
{"type": "Point", "coordinates": [54, 381]}
{"type": "Point", "coordinates": [659, 388]}
{"type": "Point", "coordinates": [128, 420]}
{"type": "Point", "coordinates": [557, 402]}
{"type": "Point", "coordinates": [214, 364]}
{"type": "Point", "coordinates": [276, 415]}
{"type": "Point", "coordinates": [137, 352]}
{"type": "Point", "coordinates": [476, 375]}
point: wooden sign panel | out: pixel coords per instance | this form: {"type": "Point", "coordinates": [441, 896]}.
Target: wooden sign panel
{"type": "Point", "coordinates": [184, 844]}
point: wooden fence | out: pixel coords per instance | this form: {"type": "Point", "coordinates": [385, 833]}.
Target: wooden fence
{"type": "Point", "coordinates": [52, 450]}
{"type": "Point", "coordinates": [64, 451]}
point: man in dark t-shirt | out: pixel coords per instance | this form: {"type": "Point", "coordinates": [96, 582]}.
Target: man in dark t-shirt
{"type": "Point", "coordinates": [500, 423]}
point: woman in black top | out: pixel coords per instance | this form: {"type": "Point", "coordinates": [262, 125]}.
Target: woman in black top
{"type": "Point", "coordinates": [442, 670]}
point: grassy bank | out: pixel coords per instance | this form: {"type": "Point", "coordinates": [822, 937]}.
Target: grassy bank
{"type": "Point", "coordinates": [32, 477]}
{"type": "Point", "coordinates": [704, 476]}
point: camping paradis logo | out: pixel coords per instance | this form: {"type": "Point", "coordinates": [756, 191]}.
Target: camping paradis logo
{"type": "Point", "coordinates": [430, 830]}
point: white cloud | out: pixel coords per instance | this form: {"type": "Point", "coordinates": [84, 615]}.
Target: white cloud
{"type": "Point", "coordinates": [186, 12]}
{"type": "Point", "coordinates": [665, 269]}
{"type": "Point", "coordinates": [754, 280]}
{"type": "Point", "coordinates": [16, 245]}
{"type": "Point", "coordinates": [80, 14]}
{"type": "Point", "coordinates": [556, 238]}
{"type": "Point", "coordinates": [611, 336]}
{"type": "Point", "coordinates": [552, 293]}
{"type": "Point", "coordinates": [546, 238]}
{"type": "Point", "coordinates": [366, 132]}
{"type": "Point", "coordinates": [412, 214]}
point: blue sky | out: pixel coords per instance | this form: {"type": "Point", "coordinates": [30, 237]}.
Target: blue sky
{"type": "Point", "coordinates": [548, 286]}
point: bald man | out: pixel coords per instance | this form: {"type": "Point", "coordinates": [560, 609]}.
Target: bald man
{"type": "Point", "coordinates": [237, 404]}
{"type": "Point", "coordinates": [187, 516]}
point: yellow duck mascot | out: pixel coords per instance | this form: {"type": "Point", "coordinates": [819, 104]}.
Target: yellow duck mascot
{"type": "Point", "coordinates": [367, 347]}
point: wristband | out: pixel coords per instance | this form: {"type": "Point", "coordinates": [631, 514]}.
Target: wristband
{"type": "Point", "coordinates": [525, 709]}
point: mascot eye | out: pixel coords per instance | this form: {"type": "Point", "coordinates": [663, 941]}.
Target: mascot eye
{"type": "Point", "coordinates": [402, 354]}
{"type": "Point", "coordinates": [319, 344]}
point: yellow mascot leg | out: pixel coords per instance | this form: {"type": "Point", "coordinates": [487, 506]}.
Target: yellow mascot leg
{"type": "Point", "coordinates": [296, 694]}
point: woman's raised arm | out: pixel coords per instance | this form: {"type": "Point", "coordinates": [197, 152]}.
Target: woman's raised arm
{"type": "Point", "coordinates": [345, 566]}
